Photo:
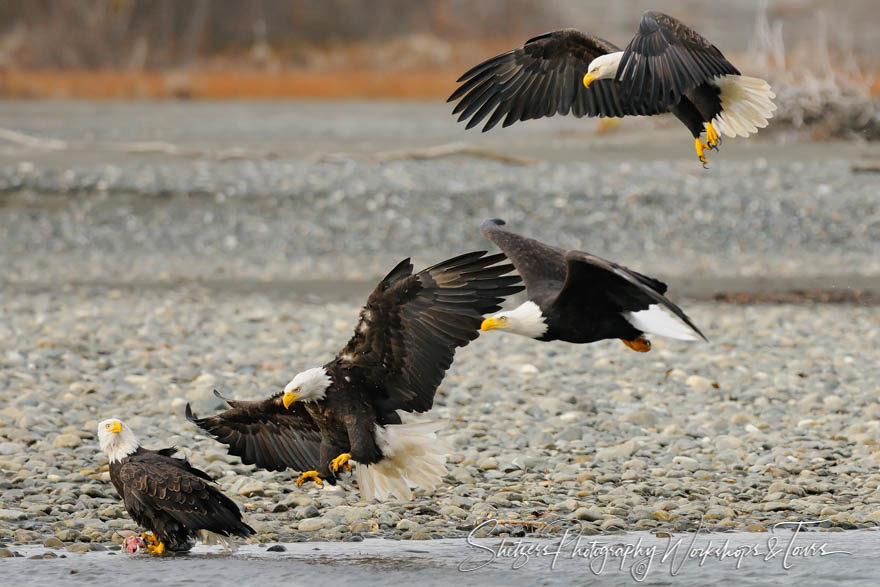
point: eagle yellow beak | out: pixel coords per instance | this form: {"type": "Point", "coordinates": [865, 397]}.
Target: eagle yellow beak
{"type": "Point", "coordinates": [289, 398]}
{"type": "Point", "coordinates": [116, 427]}
{"type": "Point", "coordinates": [489, 324]}
{"type": "Point", "coordinates": [588, 79]}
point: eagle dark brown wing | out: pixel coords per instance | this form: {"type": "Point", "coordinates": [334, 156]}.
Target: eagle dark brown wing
{"type": "Point", "coordinates": [665, 59]}
{"type": "Point", "coordinates": [412, 324]}
{"type": "Point", "coordinates": [595, 283]}
{"type": "Point", "coordinates": [542, 78]}
{"type": "Point", "coordinates": [155, 486]}
{"type": "Point", "coordinates": [541, 266]}
{"type": "Point", "coordinates": [265, 434]}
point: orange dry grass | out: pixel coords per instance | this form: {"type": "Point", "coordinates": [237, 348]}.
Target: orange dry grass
{"type": "Point", "coordinates": [80, 84]}
{"type": "Point", "coordinates": [238, 84]}
{"type": "Point", "coordinates": [407, 85]}
{"type": "Point", "coordinates": [226, 84]}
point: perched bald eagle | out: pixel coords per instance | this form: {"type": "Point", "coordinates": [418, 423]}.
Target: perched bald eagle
{"type": "Point", "coordinates": [167, 495]}
{"type": "Point", "coordinates": [667, 67]}
{"type": "Point", "coordinates": [347, 409]}
{"type": "Point", "coordinates": [578, 297]}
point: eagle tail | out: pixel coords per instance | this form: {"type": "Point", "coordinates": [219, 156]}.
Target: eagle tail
{"type": "Point", "coordinates": [211, 538]}
{"type": "Point", "coordinates": [413, 456]}
{"type": "Point", "coordinates": [746, 105]}
{"type": "Point", "coordinates": [660, 321]}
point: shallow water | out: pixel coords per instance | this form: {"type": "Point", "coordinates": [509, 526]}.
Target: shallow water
{"type": "Point", "coordinates": [784, 556]}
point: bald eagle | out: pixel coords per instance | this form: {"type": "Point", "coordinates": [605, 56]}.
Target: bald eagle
{"type": "Point", "coordinates": [346, 410]}
{"type": "Point", "coordinates": [578, 297]}
{"type": "Point", "coordinates": [667, 67]}
{"type": "Point", "coordinates": [167, 495]}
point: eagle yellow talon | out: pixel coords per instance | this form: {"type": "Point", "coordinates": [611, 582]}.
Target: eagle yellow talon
{"type": "Point", "coordinates": [341, 461]}
{"type": "Point", "coordinates": [309, 475]}
{"type": "Point", "coordinates": [607, 125]}
{"type": "Point", "coordinates": [640, 344]}
{"type": "Point", "coordinates": [700, 148]}
{"type": "Point", "coordinates": [713, 139]}
{"type": "Point", "coordinates": [153, 544]}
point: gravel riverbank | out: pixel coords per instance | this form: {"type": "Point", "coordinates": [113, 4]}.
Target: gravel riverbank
{"type": "Point", "coordinates": [134, 282]}
{"type": "Point", "coordinates": [293, 197]}
{"type": "Point", "coordinates": [269, 220]}
{"type": "Point", "coordinates": [775, 419]}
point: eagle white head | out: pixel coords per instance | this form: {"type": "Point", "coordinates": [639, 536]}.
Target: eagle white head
{"type": "Point", "coordinates": [116, 439]}
{"type": "Point", "coordinates": [602, 67]}
{"type": "Point", "coordinates": [309, 386]}
{"type": "Point", "coordinates": [527, 320]}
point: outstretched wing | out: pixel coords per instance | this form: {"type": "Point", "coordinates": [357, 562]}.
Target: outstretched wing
{"type": "Point", "coordinates": [541, 266]}
{"type": "Point", "coordinates": [265, 434]}
{"type": "Point", "coordinates": [596, 283]}
{"type": "Point", "coordinates": [411, 326]}
{"type": "Point", "coordinates": [665, 59]}
{"type": "Point", "coordinates": [542, 78]}
{"type": "Point", "coordinates": [153, 483]}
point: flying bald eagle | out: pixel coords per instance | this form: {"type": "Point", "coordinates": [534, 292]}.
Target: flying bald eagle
{"type": "Point", "coordinates": [578, 297]}
{"type": "Point", "coordinates": [167, 495]}
{"type": "Point", "coordinates": [347, 409]}
{"type": "Point", "coordinates": [667, 67]}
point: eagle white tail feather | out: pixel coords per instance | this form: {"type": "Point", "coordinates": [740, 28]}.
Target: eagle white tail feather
{"type": "Point", "coordinates": [746, 105]}
{"type": "Point", "coordinates": [211, 538]}
{"type": "Point", "coordinates": [658, 320]}
{"type": "Point", "coordinates": [413, 457]}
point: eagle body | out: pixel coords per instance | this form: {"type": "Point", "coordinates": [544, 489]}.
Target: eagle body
{"type": "Point", "coordinates": [177, 502]}
{"type": "Point", "coordinates": [594, 323]}
{"type": "Point", "coordinates": [697, 106]}
{"type": "Point", "coordinates": [581, 298]}
{"type": "Point", "coordinates": [348, 409]}
{"type": "Point", "coordinates": [347, 418]}
{"type": "Point", "coordinates": [666, 68]}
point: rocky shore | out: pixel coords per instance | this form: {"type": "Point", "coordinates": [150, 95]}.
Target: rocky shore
{"type": "Point", "coordinates": [135, 282]}
{"type": "Point", "coordinates": [775, 419]}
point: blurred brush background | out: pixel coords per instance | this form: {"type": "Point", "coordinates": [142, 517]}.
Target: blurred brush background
{"type": "Point", "coordinates": [821, 54]}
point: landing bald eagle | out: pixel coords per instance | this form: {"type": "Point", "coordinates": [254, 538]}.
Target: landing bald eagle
{"type": "Point", "coordinates": [667, 67]}
{"type": "Point", "coordinates": [167, 495]}
{"type": "Point", "coordinates": [578, 297]}
{"type": "Point", "coordinates": [347, 409]}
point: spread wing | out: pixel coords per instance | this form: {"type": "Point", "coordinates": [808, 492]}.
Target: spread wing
{"type": "Point", "coordinates": [265, 434]}
{"type": "Point", "coordinates": [542, 78]}
{"type": "Point", "coordinates": [596, 283]}
{"type": "Point", "coordinates": [412, 324]}
{"type": "Point", "coordinates": [154, 483]}
{"type": "Point", "coordinates": [663, 60]}
{"type": "Point", "coordinates": [541, 266]}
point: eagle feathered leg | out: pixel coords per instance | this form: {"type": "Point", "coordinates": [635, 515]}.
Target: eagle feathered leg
{"type": "Point", "coordinates": [309, 476]}
{"type": "Point", "coordinates": [700, 148]}
{"type": "Point", "coordinates": [713, 139]}
{"type": "Point", "coordinates": [341, 461]}
{"type": "Point", "coordinates": [640, 344]}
